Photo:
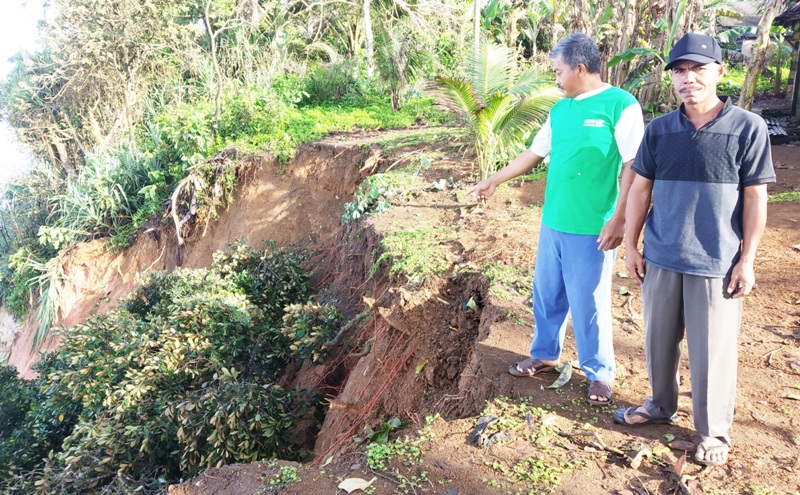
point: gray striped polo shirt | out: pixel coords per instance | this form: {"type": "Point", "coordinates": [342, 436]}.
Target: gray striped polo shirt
{"type": "Point", "coordinates": [695, 224]}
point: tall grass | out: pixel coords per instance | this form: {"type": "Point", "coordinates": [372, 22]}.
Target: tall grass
{"type": "Point", "coordinates": [104, 195]}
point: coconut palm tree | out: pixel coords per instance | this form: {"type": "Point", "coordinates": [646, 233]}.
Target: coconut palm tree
{"type": "Point", "coordinates": [499, 109]}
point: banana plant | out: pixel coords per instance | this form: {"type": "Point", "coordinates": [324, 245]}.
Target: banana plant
{"type": "Point", "coordinates": [651, 60]}
{"type": "Point", "coordinates": [499, 109]}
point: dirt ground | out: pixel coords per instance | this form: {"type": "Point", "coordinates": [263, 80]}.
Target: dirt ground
{"type": "Point", "coordinates": [440, 348]}
{"type": "Point", "coordinates": [432, 354]}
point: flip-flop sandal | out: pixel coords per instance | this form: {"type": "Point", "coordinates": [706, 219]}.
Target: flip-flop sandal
{"type": "Point", "coordinates": [619, 417]}
{"type": "Point", "coordinates": [723, 447]}
{"type": "Point", "coordinates": [531, 366]}
{"type": "Point", "coordinates": [600, 389]}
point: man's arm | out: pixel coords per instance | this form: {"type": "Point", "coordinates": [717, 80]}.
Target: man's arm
{"type": "Point", "coordinates": [638, 204]}
{"type": "Point", "coordinates": [754, 221]}
{"type": "Point", "coordinates": [522, 164]}
{"type": "Point", "coordinates": [613, 231]}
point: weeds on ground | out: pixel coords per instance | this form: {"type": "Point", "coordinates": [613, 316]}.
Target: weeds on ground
{"type": "Point", "coordinates": [283, 478]}
{"type": "Point", "coordinates": [784, 197]}
{"type": "Point", "coordinates": [504, 281]}
{"type": "Point", "coordinates": [376, 193]}
{"type": "Point", "coordinates": [399, 459]}
{"type": "Point", "coordinates": [430, 135]}
{"type": "Point", "coordinates": [507, 419]}
{"type": "Point", "coordinates": [415, 253]}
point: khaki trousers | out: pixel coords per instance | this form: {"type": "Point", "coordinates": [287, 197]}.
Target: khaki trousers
{"type": "Point", "coordinates": [675, 305]}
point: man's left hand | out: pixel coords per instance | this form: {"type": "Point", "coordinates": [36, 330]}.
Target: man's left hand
{"type": "Point", "coordinates": [611, 235]}
{"type": "Point", "coordinates": [743, 279]}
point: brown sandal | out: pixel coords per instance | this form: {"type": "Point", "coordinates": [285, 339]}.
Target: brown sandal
{"type": "Point", "coordinates": [531, 366]}
{"type": "Point", "coordinates": [600, 389]}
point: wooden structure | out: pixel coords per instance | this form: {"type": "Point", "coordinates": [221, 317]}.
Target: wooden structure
{"type": "Point", "coordinates": [791, 20]}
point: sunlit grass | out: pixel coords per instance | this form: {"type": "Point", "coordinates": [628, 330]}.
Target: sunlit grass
{"type": "Point", "coordinates": [784, 197]}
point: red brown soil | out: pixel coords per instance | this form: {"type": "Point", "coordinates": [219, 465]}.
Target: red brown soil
{"type": "Point", "coordinates": [421, 350]}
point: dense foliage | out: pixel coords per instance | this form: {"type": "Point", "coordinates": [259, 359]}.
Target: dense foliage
{"type": "Point", "coordinates": [181, 377]}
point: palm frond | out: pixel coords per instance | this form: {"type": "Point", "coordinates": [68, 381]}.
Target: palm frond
{"type": "Point", "coordinates": [49, 283]}
{"type": "Point", "coordinates": [498, 105]}
{"type": "Point", "coordinates": [490, 69]}
{"type": "Point", "coordinates": [526, 116]}
{"type": "Point", "coordinates": [455, 94]}
{"type": "Point", "coordinates": [530, 81]}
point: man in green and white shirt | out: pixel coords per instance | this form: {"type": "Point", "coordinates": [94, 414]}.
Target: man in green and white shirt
{"type": "Point", "coordinates": [592, 136]}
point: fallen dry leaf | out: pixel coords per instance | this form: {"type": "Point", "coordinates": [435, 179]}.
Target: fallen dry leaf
{"type": "Point", "coordinates": [352, 484]}
{"type": "Point", "coordinates": [640, 456]}
{"type": "Point", "coordinates": [694, 488]}
{"type": "Point", "coordinates": [795, 365]}
{"type": "Point", "coordinates": [565, 370]}
{"type": "Point", "coordinates": [758, 417]}
{"type": "Point", "coordinates": [678, 467]}
{"type": "Point", "coordinates": [549, 419]}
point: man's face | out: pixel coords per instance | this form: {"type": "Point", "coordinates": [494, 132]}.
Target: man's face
{"type": "Point", "coordinates": [695, 82]}
{"type": "Point", "coordinates": [568, 79]}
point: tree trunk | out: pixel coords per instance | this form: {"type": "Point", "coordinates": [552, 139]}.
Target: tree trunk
{"type": "Point", "coordinates": [369, 37]}
{"type": "Point", "coordinates": [476, 26]}
{"type": "Point", "coordinates": [212, 36]}
{"type": "Point", "coordinates": [759, 55]}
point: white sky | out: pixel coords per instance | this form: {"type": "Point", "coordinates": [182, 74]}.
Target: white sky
{"type": "Point", "coordinates": [18, 31]}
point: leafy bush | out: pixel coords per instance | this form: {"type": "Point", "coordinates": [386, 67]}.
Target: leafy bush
{"type": "Point", "coordinates": [25, 209]}
{"type": "Point", "coordinates": [308, 327]}
{"type": "Point", "coordinates": [374, 195]}
{"type": "Point", "coordinates": [338, 82]}
{"type": "Point", "coordinates": [104, 195]}
{"type": "Point", "coordinates": [732, 81]}
{"type": "Point", "coordinates": [181, 377]}
{"type": "Point", "coordinates": [15, 398]}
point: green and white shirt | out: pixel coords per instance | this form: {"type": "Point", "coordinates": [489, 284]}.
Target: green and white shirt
{"type": "Point", "coordinates": [588, 138]}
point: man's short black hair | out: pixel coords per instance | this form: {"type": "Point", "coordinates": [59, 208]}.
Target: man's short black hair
{"type": "Point", "coordinates": [578, 48]}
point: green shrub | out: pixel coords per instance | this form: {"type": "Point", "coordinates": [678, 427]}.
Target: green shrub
{"type": "Point", "coordinates": [272, 278]}
{"type": "Point", "coordinates": [338, 82]}
{"type": "Point", "coordinates": [733, 80]}
{"type": "Point", "coordinates": [308, 327]}
{"type": "Point", "coordinates": [181, 377]}
{"type": "Point", "coordinates": [250, 112]}
{"type": "Point", "coordinates": [15, 399]}
{"type": "Point", "coordinates": [374, 195]}
{"type": "Point", "coordinates": [104, 195]}
{"type": "Point", "coordinates": [48, 418]}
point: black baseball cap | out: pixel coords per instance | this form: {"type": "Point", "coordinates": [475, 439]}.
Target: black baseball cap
{"type": "Point", "coordinates": [696, 48]}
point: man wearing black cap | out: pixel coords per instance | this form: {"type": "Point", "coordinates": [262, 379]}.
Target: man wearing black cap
{"type": "Point", "coordinates": [705, 166]}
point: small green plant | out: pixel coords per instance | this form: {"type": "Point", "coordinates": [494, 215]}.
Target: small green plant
{"type": "Point", "coordinates": [381, 434]}
{"type": "Point", "coordinates": [408, 449]}
{"type": "Point", "coordinates": [757, 490]}
{"type": "Point", "coordinates": [374, 195]}
{"type": "Point", "coordinates": [285, 477]}
{"type": "Point", "coordinates": [508, 277]}
{"type": "Point", "coordinates": [498, 108]}
{"type": "Point", "coordinates": [415, 253]}
{"type": "Point", "coordinates": [520, 419]}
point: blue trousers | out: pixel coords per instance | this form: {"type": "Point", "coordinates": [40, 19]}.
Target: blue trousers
{"type": "Point", "coordinates": [571, 275]}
